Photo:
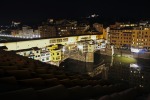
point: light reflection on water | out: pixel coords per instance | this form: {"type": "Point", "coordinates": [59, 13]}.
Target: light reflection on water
{"type": "Point", "coordinates": [137, 74]}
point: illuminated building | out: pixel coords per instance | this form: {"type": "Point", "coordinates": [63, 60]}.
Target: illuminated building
{"type": "Point", "coordinates": [55, 52]}
{"type": "Point", "coordinates": [131, 35]}
{"type": "Point", "coordinates": [86, 47]}
{"type": "Point", "coordinates": [141, 38]}
{"type": "Point", "coordinates": [121, 38]}
{"type": "Point", "coordinates": [98, 27]}
{"type": "Point", "coordinates": [33, 53]}
{"type": "Point", "coordinates": [45, 55]}
{"type": "Point", "coordinates": [25, 32]}
{"type": "Point", "coordinates": [40, 43]}
{"type": "Point", "coordinates": [47, 31]}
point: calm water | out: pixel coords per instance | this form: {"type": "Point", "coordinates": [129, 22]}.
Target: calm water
{"type": "Point", "coordinates": [137, 74]}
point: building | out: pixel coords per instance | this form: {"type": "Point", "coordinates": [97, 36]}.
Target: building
{"type": "Point", "coordinates": [36, 53]}
{"type": "Point", "coordinates": [40, 43]}
{"type": "Point", "coordinates": [98, 27]}
{"type": "Point", "coordinates": [47, 31]}
{"type": "Point", "coordinates": [119, 25]}
{"type": "Point", "coordinates": [25, 32]}
{"type": "Point", "coordinates": [131, 35]}
{"type": "Point", "coordinates": [45, 55]}
{"type": "Point", "coordinates": [141, 38]}
{"type": "Point", "coordinates": [56, 54]}
{"type": "Point", "coordinates": [33, 53]}
{"type": "Point", "coordinates": [121, 38]}
{"type": "Point", "coordinates": [86, 47]}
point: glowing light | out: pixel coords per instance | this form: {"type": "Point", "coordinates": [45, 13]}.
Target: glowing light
{"type": "Point", "coordinates": [80, 46]}
{"type": "Point", "coordinates": [63, 49]}
{"type": "Point", "coordinates": [134, 66]}
{"type": "Point", "coordinates": [135, 50]}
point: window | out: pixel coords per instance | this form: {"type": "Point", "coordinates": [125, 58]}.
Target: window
{"type": "Point", "coordinates": [53, 41]}
{"type": "Point", "coordinates": [42, 59]}
{"type": "Point", "coordinates": [113, 40]}
{"type": "Point", "coordinates": [57, 53]}
{"type": "Point", "coordinates": [146, 36]}
{"type": "Point", "coordinates": [65, 39]}
{"type": "Point", "coordinates": [57, 58]}
{"type": "Point", "coordinates": [47, 58]}
{"type": "Point", "coordinates": [42, 54]}
{"type": "Point", "coordinates": [59, 40]}
{"type": "Point", "coordinates": [37, 51]}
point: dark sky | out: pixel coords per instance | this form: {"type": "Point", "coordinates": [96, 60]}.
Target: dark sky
{"type": "Point", "coordinates": [35, 10]}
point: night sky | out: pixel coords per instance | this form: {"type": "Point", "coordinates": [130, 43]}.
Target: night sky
{"type": "Point", "coordinates": [34, 11]}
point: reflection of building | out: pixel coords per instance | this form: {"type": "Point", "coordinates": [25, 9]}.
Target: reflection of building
{"type": "Point", "coordinates": [136, 77]}
{"type": "Point", "coordinates": [119, 71]}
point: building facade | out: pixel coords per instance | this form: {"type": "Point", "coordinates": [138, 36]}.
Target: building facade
{"type": "Point", "coordinates": [47, 31]}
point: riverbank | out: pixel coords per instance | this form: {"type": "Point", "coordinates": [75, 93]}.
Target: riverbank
{"type": "Point", "coordinates": [127, 53]}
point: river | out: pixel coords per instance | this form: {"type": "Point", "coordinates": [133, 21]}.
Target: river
{"type": "Point", "coordinates": [135, 73]}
